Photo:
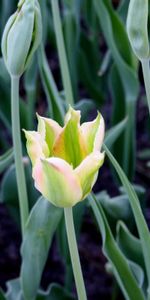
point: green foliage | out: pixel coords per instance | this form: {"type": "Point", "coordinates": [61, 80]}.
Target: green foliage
{"type": "Point", "coordinates": [124, 83]}
{"type": "Point", "coordinates": [40, 228]}
{"type": "Point", "coordinates": [88, 44]}
{"type": "Point", "coordinates": [138, 215]}
{"type": "Point", "coordinates": [120, 265]}
{"type": "Point", "coordinates": [6, 159]}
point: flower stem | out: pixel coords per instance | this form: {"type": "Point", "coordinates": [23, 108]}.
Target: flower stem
{"type": "Point", "coordinates": [146, 74]}
{"type": "Point", "coordinates": [62, 53]}
{"type": "Point", "coordinates": [74, 254]}
{"type": "Point", "coordinates": [20, 175]}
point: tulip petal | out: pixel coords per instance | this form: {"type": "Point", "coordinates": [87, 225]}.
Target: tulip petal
{"type": "Point", "coordinates": [36, 146]}
{"type": "Point", "coordinates": [70, 144]}
{"type": "Point", "coordinates": [49, 129]}
{"type": "Point", "coordinates": [87, 171]}
{"type": "Point", "coordinates": [55, 179]}
{"type": "Point", "coordinates": [93, 133]}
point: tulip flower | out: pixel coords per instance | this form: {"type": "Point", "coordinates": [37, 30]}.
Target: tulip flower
{"type": "Point", "coordinates": [66, 159]}
{"type": "Point", "coordinates": [22, 36]}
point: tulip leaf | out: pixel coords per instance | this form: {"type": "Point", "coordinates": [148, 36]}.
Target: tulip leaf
{"type": "Point", "coordinates": [113, 133]}
{"type": "Point", "coordinates": [71, 31]}
{"type": "Point", "coordinates": [117, 207]}
{"type": "Point", "coordinates": [63, 60]}
{"type": "Point", "coordinates": [42, 223]}
{"type": "Point", "coordinates": [121, 268]}
{"type": "Point", "coordinates": [54, 292]}
{"type": "Point", "coordinates": [54, 101]}
{"type": "Point", "coordinates": [88, 72]}
{"type": "Point", "coordinates": [9, 183]}
{"type": "Point", "coordinates": [2, 296]}
{"type": "Point", "coordinates": [138, 272]}
{"type": "Point", "coordinates": [6, 159]}
{"type": "Point", "coordinates": [142, 227]}
{"type": "Point", "coordinates": [85, 106]}
{"type": "Point", "coordinates": [125, 69]}
{"type": "Point", "coordinates": [30, 82]}
{"type": "Point", "coordinates": [129, 244]}
{"type": "Point", "coordinates": [105, 63]}
{"type": "Point", "coordinates": [14, 290]}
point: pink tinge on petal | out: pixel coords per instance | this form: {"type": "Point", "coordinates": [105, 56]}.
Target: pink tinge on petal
{"type": "Point", "coordinates": [50, 130]}
{"type": "Point", "coordinates": [61, 185]}
{"type": "Point", "coordinates": [38, 177]}
{"type": "Point", "coordinates": [62, 167]}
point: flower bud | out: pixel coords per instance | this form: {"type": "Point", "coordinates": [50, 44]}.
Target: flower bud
{"type": "Point", "coordinates": [66, 159]}
{"type": "Point", "coordinates": [22, 36]}
{"type": "Point", "coordinates": [137, 28]}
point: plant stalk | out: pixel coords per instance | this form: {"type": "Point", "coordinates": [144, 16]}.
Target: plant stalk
{"type": "Point", "coordinates": [146, 75]}
{"type": "Point", "coordinates": [74, 254]}
{"type": "Point", "coordinates": [62, 53]}
{"type": "Point", "coordinates": [20, 175]}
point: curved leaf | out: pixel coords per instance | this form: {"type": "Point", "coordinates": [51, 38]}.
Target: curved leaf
{"type": "Point", "coordinates": [42, 223]}
{"type": "Point", "coordinates": [113, 133]}
{"type": "Point", "coordinates": [53, 98]}
{"type": "Point", "coordinates": [121, 269]}
{"type": "Point", "coordinates": [129, 244]}
{"type": "Point", "coordinates": [6, 159]}
{"type": "Point", "coordinates": [142, 227]}
{"type": "Point", "coordinates": [114, 31]}
{"type": "Point", "coordinates": [54, 292]}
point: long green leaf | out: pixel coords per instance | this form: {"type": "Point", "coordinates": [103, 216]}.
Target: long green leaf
{"type": "Point", "coordinates": [113, 133]}
{"type": "Point", "coordinates": [30, 83]}
{"type": "Point", "coordinates": [41, 226]}
{"type": "Point", "coordinates": [62, 53]}
{"type": "Point", "coordinates": [6, 159]}
{"type": "Point", "coordinates": [53, 98]}
{"type": "Point", "coordinates": [114, 31]}
{"type": "Point", "coordinates": [142, 227]}
{"type": "Point", "coordinates": [129, 244]}
{"type": "Point", "coordinates": [14, 290]}
{"type": "Point", "coordinates": [120, 265]}
{"type": "Point", "coordinates": [71, 31]}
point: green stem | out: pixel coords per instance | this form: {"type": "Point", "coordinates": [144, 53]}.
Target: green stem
{"type": "Point", "coordinates": [22, 192]}
{"type": "Point", "coordinates": [146, 74]}
{"type": "Point", "coordinates": [74, 254]}
{"type": "Point", "coordinates": [62, 53]}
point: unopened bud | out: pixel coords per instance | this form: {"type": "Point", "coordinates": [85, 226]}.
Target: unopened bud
{"type": "Point", "coordinates": [22, 36]}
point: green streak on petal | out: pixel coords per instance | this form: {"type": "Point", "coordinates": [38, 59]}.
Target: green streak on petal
{"type": "Point", "coordinates": [36, 146]}
{"type": "Point", "coordinates": [92, 131]}
{"type": "Point", "coordinates": [49, 130]}
{"type": "Point", "coordinates": [87, 171]}
{"type": "Point", "coordinates": [70, 144]}
{"type": "Point", "coordinates": [61, 186]}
